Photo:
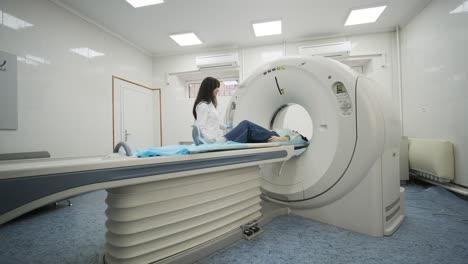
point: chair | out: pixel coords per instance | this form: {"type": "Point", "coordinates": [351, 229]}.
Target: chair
{"type": "Point", "coordinates": [197, 136]}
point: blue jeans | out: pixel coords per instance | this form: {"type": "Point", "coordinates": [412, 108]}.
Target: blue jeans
{"type": "Point", "coordinates": [248, 132]}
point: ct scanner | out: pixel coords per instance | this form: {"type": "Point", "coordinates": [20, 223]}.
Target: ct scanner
{"type": "Point", "coordinates": [169, 209]}
{"type": "Point", "coordinates": [349, 175]}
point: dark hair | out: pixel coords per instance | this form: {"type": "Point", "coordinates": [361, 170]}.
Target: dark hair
{"type": "Point", "coordinates": [205, 93]}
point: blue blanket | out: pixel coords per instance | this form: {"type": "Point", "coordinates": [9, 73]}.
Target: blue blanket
{"type": "Point", "coordinates": [177, 150]}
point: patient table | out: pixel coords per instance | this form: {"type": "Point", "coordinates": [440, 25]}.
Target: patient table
{"type": "Point", "coordinates": [157, 206]}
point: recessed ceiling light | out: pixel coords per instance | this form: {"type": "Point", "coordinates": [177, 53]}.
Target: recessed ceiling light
{"type": "Point", "coordinates": [186, 39]}
{"type": "Point", "coordinates": [13, 22]}
{"type": "Point", "coordinates": [33, 60]}
{"type": "Point", "coordinates": [460, 9]}
{"type": "Point", "coordinates": [267, 28]}
{"type": "Point", "coordinates": [363, 16]}
{"type": "Point", "coordinates": [37, 59]}
{"type": "Point", "coordinates": [141, 3]}
{"type": "Point", "coordinates": [87, 52]}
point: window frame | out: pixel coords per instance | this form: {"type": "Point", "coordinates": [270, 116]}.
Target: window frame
{"type": "Point", "coordinates": [221, 80]}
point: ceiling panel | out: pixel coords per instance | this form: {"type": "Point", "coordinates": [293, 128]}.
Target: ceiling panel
{"type": "Point", "coordinates": [223, 23]}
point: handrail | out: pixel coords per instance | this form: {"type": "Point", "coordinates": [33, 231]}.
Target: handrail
{"type": "Point", "coordinates": [128, 150]}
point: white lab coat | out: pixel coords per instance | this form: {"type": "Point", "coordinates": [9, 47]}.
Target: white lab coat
{"type": "Point", "coordinates": [209, 122]}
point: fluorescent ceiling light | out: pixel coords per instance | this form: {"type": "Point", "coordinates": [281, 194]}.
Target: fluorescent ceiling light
{"type": "Point", "coordinates": [33, 60]}
{"type": "Point", "coordinates": [228, 83]}
{"type": "Point", "coordinates": [87, 52]}
{"type": "Point", "coordinates": [186, 39]}
{"type": "Point", "coordinates": [461, 8]}
{"type": "Point", "coordinates": [141, 3]}
{"type": "Point", "coordinates": [364, 16]}
{"type": "Point", "coordinates": [30, 62]}
{"type": "Point", "coordinates": [27, 61]}
{"type": "Point", "coordinates": [267, 28]}
{"type": "Point", "coordinates": [13, 22]}
{"type": "Point", "coordinates": [37, 59]}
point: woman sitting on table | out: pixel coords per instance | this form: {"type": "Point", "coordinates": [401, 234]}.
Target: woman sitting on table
{"type": "Point", "coordinates": [212, 130]}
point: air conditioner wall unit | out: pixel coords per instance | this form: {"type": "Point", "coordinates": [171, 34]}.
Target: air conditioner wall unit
{"type": "Point", "coordinates": [338, 49]}
{"type": "Point", "coordinates": [217, 61]}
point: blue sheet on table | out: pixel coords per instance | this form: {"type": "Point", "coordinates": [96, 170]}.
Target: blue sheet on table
{"type": "Point", "coordinates": [177, 150]}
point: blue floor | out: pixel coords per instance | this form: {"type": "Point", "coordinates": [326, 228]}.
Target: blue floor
{"type": "Point", "coordinates": [435, 231]}
{"type": "Point", "coordinates": [57, 235]}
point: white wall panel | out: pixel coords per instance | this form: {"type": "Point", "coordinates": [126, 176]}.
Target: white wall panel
{"type": "Point", "coordinates": [64, 99]}
{"type": "Point", "coordinates": [435, 78]}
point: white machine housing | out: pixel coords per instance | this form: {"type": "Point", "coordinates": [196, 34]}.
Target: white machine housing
{"type": "Point", "coordinates": [348, 176]}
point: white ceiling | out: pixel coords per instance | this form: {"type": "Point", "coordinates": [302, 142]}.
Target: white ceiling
{"type": "Point", "coordinates": [227, 23]}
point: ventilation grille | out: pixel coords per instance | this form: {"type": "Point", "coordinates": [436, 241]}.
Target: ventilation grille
{"type": "Point", "coordinates": [149, 222]}
{"type": "Point", "coordinates": [392, 209]}
{"type": "Point", "coordinates": [217, 61]}
{"type": "Point", "coordinates": [327, 49]}
{"type": "Point", "coordinates": [429, 176]}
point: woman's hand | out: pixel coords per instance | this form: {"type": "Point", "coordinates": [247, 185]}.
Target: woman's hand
{"type": "Point", "coordinates": [277, 139]}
